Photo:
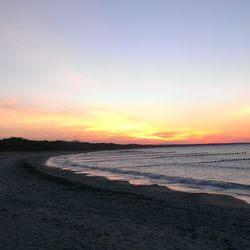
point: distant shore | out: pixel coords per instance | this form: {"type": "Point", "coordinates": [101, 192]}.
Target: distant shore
{"type": "Point", "coordinates": [47, 208]}
{"type": "Point", "coordinates": [15, 144]}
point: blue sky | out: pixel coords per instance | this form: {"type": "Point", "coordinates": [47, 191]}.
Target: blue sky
{"type": "Point", "coordinates": [138, 58]}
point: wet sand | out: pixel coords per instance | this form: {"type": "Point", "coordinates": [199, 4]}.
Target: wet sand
{"type": "Point", "coordinates": [46, 208]}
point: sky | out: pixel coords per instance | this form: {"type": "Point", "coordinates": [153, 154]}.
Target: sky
{"type": "Point", "coordinates": [134, 71]}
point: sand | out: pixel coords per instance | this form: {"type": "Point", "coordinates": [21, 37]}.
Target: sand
{"type": "Point", "coordinates": [42, 208]}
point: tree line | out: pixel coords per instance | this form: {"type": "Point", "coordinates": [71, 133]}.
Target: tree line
{"type": "Point", "coordinates": [20, 144]}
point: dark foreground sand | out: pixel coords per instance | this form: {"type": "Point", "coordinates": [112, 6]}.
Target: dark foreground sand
{"type": "Point", "coordinates": [44, 208]}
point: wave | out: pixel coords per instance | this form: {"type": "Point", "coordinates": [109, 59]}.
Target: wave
{"type": "Point", "coordinates": [155, 178]}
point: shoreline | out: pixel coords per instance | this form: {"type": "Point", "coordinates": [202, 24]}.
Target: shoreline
{"type": "Point", "coordinates": [177, 188]}
{"type": "Point", "coordinates": [123, 186]}
{"type": "Point", "coordinates": [42, 208]}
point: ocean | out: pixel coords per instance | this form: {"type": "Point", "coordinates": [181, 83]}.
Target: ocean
{"type": "Point", "coordinates": [221, 169]}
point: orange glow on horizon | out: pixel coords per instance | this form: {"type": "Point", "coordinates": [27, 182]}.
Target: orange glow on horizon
{"type": "Point", "coordinates": [100, 125]}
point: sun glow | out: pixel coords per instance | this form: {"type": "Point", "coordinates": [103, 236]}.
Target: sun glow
{"type": "Point", "coordinates": [99, 124]}
{"type": "Point", "coordinates": [94, 124]}
{"type": "Point", "coordinates": [91, 74]}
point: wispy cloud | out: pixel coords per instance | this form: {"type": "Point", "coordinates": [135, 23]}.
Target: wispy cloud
{"type": "Point", "coordinates": [92, 123]}
{"type": "Point", "coordinates": [9, 102]}
{"type": "Point", "coordinates": [27, 118]}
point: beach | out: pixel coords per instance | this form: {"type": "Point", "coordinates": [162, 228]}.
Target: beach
{"type": "Point", "coordinates": [48, 208]}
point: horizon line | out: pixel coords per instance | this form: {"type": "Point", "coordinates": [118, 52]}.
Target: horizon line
{"type": "Point", "coordinates": [159, 145]}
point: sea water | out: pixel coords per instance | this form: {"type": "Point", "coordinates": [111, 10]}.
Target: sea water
{"type": "Point", "coordinates": [223, 169]}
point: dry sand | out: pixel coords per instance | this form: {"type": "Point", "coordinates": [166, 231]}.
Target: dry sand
{"type": "Point", "coordinates": [43, 208]}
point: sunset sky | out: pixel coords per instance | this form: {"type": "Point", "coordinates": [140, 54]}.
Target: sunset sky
{"type": "Point", "coordinates": [144, 71]}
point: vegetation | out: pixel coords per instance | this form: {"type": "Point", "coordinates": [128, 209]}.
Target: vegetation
{"type": "Point", "coordinates": [20, 144]}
